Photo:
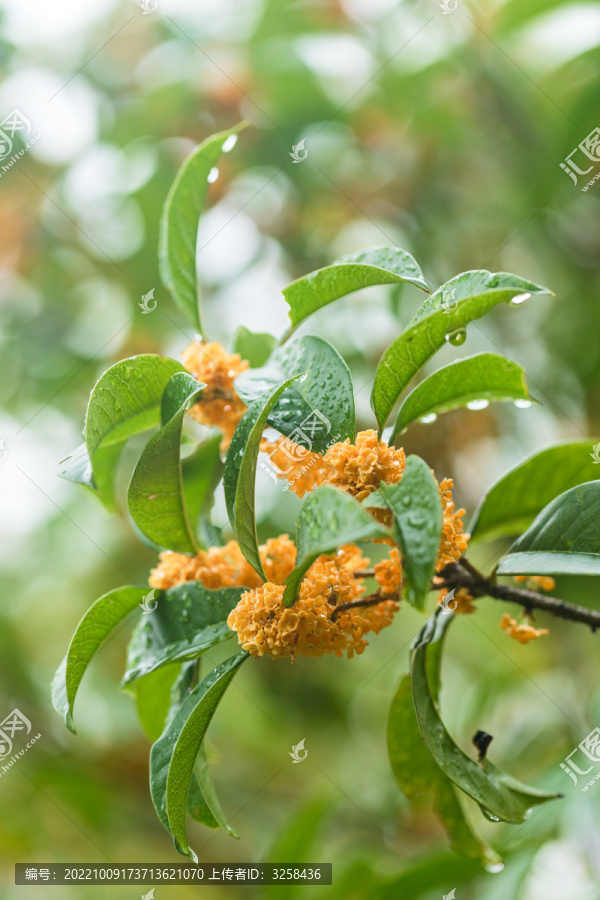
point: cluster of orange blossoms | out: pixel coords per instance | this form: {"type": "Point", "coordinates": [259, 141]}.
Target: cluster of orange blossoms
{"type": "Point", "coordinates": [522, 633]}
{"type": "Point", "coordinates": [327, 616]}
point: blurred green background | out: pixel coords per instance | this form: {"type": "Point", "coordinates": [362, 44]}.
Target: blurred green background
{"type": "Point", "coordinates": [440, 133]}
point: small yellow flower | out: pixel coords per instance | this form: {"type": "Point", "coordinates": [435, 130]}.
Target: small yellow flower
{"type": "Point", "coordinates": [537, 582]}
{"type": "Point", "coordinates": [219, 404]}
{"type": "Point", "coordinates": [521, 633]}
{"type": "Point", "coordinates": [360, 468]}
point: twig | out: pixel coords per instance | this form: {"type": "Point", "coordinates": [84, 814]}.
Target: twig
{"type": "Point", "coordinates": [464, 574]}
{"type": "Point", "coordinates": [370, 600]}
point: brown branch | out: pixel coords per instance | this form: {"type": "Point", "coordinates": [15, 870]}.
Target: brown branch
{"type": "Point", "coordinates": [364, 573]}
{"type": "Point", "coordinates": [370, 600]}
{"type": "Point", "coordinates": [464, 574]}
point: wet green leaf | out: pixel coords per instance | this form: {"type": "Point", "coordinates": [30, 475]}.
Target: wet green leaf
{"type": "Point", "coordinates": [378, 265]}
{"type": "Point", "coordinates": [514, 501]}
{"type": "Point", "coordinates": [485, 376]}
{"type": "Point", "coordinates": [179, 223]}
{"type": "Point", "coordinates": [446, 313]}
{"type": "Point", "coordinates": [155, 496]}
{"type": "Point", "coordinates": [564, 538]}
{"type": "Point", "coordinates": [256, 347]}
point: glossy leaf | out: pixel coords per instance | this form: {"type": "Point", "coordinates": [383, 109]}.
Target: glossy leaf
{"type": "Point", "coordinates": [513, 502]}
{"type": "Point", "coordinates": [239, 480]}
{"type": "Point", "coordinates": [416, 771]}
{"type": "Point", "coordinates": [256, 347]}
{"type": "Point", "coordinates": [188, 620]}
{"type": "Point", "coordinates": [485, 376]}
{"type": "Point", "coordinates": [153, 699]}
{"type": "Point", "coordinates": [155, 496]}
{"type": "Point", "coordinates": [498, 795]}
{"type": "Point", "coordinates": [201, 473]}
{"type": "Point", "coordinates": [317, 410]}
{"type": "Point", "coordinates": [125, 401]}
{"type": "Point", "coordinates": [328, 518]}
{"type": "Point", "coordinates": [417, 507]}
{"type": "Point", "coordinates": [98, 622]}
{"type": "Point", "coordinates": [173, 756]}
{"type": "Point", "coordinates": [378, 265]}
{"type": "Point", "coordinates": [564, 539]}
{"type": "Point", "coordinates": [448, 311]}
{"type": "Point", "coordinates": [179, 223]}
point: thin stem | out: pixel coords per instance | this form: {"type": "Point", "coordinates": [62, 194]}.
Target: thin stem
{"type": "Point", "coordinates": [370, 600]}
{"type": "Point", "coordinates": [464, 574]}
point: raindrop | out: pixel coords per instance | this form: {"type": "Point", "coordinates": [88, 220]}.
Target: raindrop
{"type": "Point", "coordinates": [213, 175]}
{"type": "Point", "coordinates": [456, 338]}
{"type": "Point", "coordinates": [520, 298]}
{"type": "Point", "coordinates": [494, 867]}
{"type": "Point", "coordinates": [478, 404]}
{"type": "Point", "coordinates": [426, 420]}
{"type": "Point", "coordinates": [230, 143]}
{"type": "Point", "coordinates": [406, 500]}
{"type": "Point", "coordinates": [523, 404]}
{"type": "Point", "coordinates": [303, 377]}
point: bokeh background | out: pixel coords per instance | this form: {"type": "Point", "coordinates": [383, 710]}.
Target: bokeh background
{"type": "Point", "coordinates": [440, 133]}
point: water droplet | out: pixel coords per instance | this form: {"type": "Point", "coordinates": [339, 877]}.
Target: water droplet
{"type": "Point", "coordinates": [494, 867]}
{"type": "Point", "coordinates": [430, 417]}
{"type": "Point", "coordinates": [478, 404]}
{"type": "Point", "coordinates": [213, 175]}
{"type": "Point", "coordinates": [406, 500]}
{"type": "Point", "coordinates": [458, 337]}
{"type": "Point", "coordinates": [520, 298]}
{"type": "Point", "coordinates": [230, 143]}
{"type": "Point", "coordinates": [523, 404]}
{"type": "Point", "coordinates": [303, 377]}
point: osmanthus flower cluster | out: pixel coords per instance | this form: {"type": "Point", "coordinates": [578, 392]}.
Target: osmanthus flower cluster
{"type": "Point", "coordinates": [374, 528]}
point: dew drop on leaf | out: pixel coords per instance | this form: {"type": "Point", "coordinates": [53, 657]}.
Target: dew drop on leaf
{"type": "Point", "coordinates": [520, 298]}
{"type": "Point", "coordinates": [212, 175]}
{"type": "Point", "coordinates": [478, 404]}
{"type": "Point", "coordinates": [428, 419]}
{"type": "Point", "coordinates": [523, 404]}
{"type": "Point", "coordinates": [458, 337]}
{"type": "Point", "coordinates": [230, 143]}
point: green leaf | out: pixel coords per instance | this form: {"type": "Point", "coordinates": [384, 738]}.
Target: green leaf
{"type": "Point", "coordinates": [201, 473]}
{"type": "Point", "coordinates": [255, 347]}
{"type": "Point", "coordinates": [447, 312]}
{"type": "Point", "coordinates": [202, 802]}
{"type": "Point", "coordinates": [173, 756]}
{"type": "Point", "coordinates": [179, 223]}
{"type": "Point", "coordinates": [328, 518]}
{"type": "Point", "coordinates": [188, 620]}
{"type": "Point", "coordinates": [564, 539]}
{"type": "Point", "coordinates": [153, 699]}
{"type": "Point", "coordinates": [319, 409]}
{"type": "Point", "coordinates": [416, 771]}
{"type": "Point", "coordinates": [498, 795]}
{"type": "Point", "coordinates": [125, 401]}
{"type": "Point", "coordinates": [417, 506]}
{"type": "Point", "coordinates": [515, 500]}
{"type": "Point", "coordinates": [98, 622]}
{"type": "Point", "coordinates": [239, 480]}
{"type": "Point", "coordinates": [155, 496]}
{"type": "Point", "coordinates": [485, 376]}
{"type": "Point", "coordinates": [378, 265]}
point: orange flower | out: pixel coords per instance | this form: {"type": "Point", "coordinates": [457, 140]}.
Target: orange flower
{"type": "Point", "coordinates": [537, 582]}
{"type": "Point", "coordinates": [461, 603]}
{"type": "Point", "coordinates": [521, 633]}
{"type": "Point", "coordinates": [219, 404]}
{"type": "Point", "coordinates": [359, 468]}
{"type": "Point", "coordinates": [388, 573]}
{"type": "Point", "coordinates": [454, 541]}
{"type": "Point", "coordinates": [311, 627]}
